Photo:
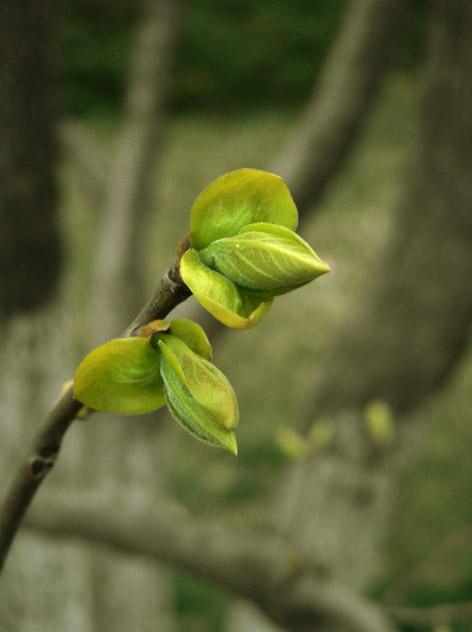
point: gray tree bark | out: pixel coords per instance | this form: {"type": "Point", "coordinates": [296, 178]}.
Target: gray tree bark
{"type": "Point", "coordinates": [342, 98]}
{"type": "Point", "coordinates": [30, 259]}
{"type": "Point", "coordinates": [28, 209]}
{"type": "Point", "coordinates": [89, 594]}
{"type": "Point", "coordinates": [403, 338]}
{"type": "Point", "coordinates": [336, 507]}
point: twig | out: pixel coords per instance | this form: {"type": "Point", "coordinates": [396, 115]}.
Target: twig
{"type": "Point", "coordinates": [44, 448]}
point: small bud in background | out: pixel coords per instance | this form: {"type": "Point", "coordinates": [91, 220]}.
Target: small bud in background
{"type": "Point", "coordinates": [321, 434]}
{"type": "Point", "coordinates": [380, 422]}
{"type": "Point", "coordinates": [291, 443]}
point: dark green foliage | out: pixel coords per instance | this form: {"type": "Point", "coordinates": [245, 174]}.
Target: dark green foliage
{"type": "Point", "coordinates": [96, 42]}
{"type": "Point", "coordinates": [200, 606]}
{"type": "Point", "coordinates": [252, 53]}
{"type": "Point", "coordinates": [233, 52]}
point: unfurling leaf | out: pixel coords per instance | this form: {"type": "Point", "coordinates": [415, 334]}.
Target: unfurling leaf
{"type": "Point", "coordinates": [199, 395]}
{"type": "Point", "coordinates": [239, 198]}
{"type": "Point", "coordinates": [264, 259]}
{"type": "Point", "coordinates": [192, 335]}
{"type": "Point", "coordinates": [171, 365]}
{"type": "Point", "coordinates": [220, 296]}
{"type": "Point", "coordinates": [207, 384]}
{"type": "Point", "coordinates": [121, 376]}
{"type": "Point", "coordinates": [243, 248]}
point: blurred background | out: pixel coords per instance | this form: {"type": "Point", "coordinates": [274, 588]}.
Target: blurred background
{"type": "Point", "coordinates": [114, 116]}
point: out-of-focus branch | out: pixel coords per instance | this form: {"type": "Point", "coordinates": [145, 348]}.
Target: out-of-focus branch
{"type": "Point", "coordinates": [86, 155]}
{"type": "Point", "coordinates": [117, 285]}
{"type": "Point", "coordinates": [342, 98]}
{"type": "Point", "coordinates": [253, 563]}
{"type": "Point", "coordinates": [45, 446]}
{"type": "Point", "coordinates": [333, 118]}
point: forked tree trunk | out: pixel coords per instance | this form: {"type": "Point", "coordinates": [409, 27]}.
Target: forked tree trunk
{"type": "Point", "coordinates": [403, 338]}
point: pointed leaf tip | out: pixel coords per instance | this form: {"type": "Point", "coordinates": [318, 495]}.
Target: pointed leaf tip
{"type": "Point", "coordinates": [198, 395]}
{"type": "Point", "coordinates": [264, 259]}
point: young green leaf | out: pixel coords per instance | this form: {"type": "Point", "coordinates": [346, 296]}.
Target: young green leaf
{"type": "Point", "coordinates": [193, 335]}
{"type": "Point", "coordinates": [207, 385]}
{"type": "Point", "coordinates": [121, 376]}
{"type": "Point", "coordinates": [200, 398]}
{"type": "Point", "coordinates": [265, 259]}
{"type": "Point", "coordinates": [238, 198]}
{"type": "Point", "coordinates": [221, 297]}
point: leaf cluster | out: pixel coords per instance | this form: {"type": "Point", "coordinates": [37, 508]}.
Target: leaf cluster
{"type": "Point", "coordinates": [242, 252]}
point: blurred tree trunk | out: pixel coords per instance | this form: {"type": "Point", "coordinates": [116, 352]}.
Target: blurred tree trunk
{"type": "Point", "coordinates": [28, 209]}
{"type": "Point", "coordinates": [30, 253]}
{"type": "Point", "coordinates": [342, 98]}
{"type": "Point", "coordinates": [403, 338]}
{"type": "Point", "coordinates": [128, 456]}
{"type": "Point", "coordinates": [341, 101]}
{"type": "Point", "coordinates": [89, 594]}
{"type": "Point", "coordinates": [332, 120]}
{"type": "Point", "coordinates": [118, 287]}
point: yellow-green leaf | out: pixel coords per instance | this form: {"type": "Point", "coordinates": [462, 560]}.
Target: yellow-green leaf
{"type": "Point", "coordinates": [221, 297]}
{"type": "Point", "coordinates": [193, 335]}
{"type": "Point", "coordinates": [265, 259]}
{"type": "Point", "coordinates": [208, 386]}
{"type": "Point", "coordinates": [238, 198]}
{"type": "Point", "coordinates": [121, 376]}
{"type": "Point", "coordinates": [186, 405]}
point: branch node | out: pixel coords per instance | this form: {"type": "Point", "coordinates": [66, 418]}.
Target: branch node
{"type": "Point", "coordinates": [39, 466]}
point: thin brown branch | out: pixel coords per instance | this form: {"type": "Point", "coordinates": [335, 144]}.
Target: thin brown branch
{"type": "Point", "coordinates": [254, 563]}
{"type": "Point", "coordinates": [44, 448]}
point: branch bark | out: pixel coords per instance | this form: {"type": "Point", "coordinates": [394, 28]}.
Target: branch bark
{"type": "Point", "coordinates": [254, 563]}
{"type": "Point", "coordinates": [45, 446]}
